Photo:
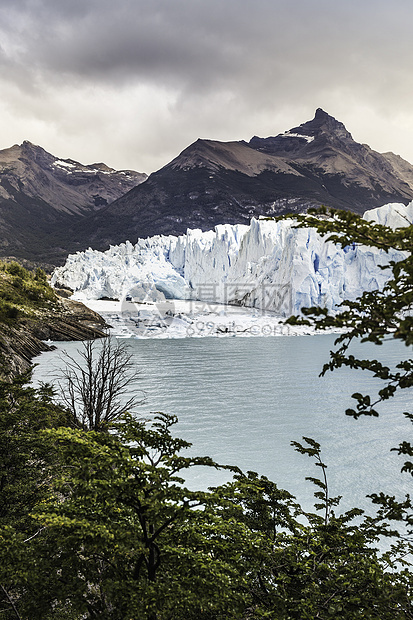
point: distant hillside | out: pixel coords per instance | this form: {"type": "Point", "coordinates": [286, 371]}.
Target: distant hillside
{"type": "Point", "coordinates": [41, 195]}
{"type": "Point", "coordinates": [214, 182]}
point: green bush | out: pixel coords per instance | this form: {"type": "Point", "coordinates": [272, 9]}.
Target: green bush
{"type": "Point", "coordinates": [8, 312]}
{"type": "Point", "coordinates": [15, 269]}
{"type": "Point", "coordinates": [40, 275]}
{"type": "Point", "coordinates": [22, 288]}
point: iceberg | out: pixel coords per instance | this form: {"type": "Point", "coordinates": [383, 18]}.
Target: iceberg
{"type": "Point", "coordinates": [268, 265]}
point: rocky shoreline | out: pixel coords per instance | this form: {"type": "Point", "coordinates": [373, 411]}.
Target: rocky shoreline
{"type": "Point", "coordinates": [71, 320]}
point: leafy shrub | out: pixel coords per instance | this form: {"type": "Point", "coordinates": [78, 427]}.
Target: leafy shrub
{"type": "Point", "coordinates": [15, 269]}
{"type": "Point", "coordinates": [40, 275]}
{"type": "Point", "coordinates": [8, 312]}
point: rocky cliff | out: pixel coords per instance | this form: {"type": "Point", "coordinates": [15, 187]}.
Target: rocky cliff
{"type": "Point", "coordinates": [20, 343]}
{"type": "Point", "coordinates": [32, 313]}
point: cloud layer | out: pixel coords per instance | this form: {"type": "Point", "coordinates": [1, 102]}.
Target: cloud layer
{"type": "Point", "coordinates": [132, 83]}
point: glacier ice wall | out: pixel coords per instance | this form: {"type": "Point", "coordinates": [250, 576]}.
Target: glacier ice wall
{"type": "Point", "coordinates": [269, 265]}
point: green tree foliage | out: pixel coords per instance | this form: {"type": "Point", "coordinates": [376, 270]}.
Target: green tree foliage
{"type": "Point", "coordinates": [133, 541]}
{"type": "Point", "coordinates": [22, 292]}
{"type": "Point", "coordinates": [23, 458]}
{"type": "Point", "coordinates": [374, 317]}
{"type": "Point", "coordinates": [307, 565]}
{"type": "Point", "coordinates": [26, 470]}
{"type": "Point", "coordinates": [102, 525]}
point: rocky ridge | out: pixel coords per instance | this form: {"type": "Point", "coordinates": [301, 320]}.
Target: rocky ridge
{"type": "Point", "coordinates": [31, 313]}
{"type": "Point", "coordinates": [42, 195]}
{"type": "Point", "coordinates": [213, 182]}
{"type": "Point", "coordinates": [20, 343]}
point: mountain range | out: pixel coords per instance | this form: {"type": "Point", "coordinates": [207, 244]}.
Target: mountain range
{"type": "Point", "coordinates": [49, 206]}
{"type": "Point", "coordinates": [42, 196]}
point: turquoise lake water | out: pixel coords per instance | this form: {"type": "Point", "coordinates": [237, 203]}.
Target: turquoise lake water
{"type": "Point", "coordinates": [243, 400]}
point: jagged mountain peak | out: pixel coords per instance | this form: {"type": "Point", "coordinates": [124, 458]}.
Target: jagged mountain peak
{"type": "Point", "coordinates": [26, 145]}
{"type": "Point", "coordinates": [324, 123]}
{"type": "Point", "coordinates": [304, 139]}
{"type": "Point", "coordinates": [35, 153]}
{"type": "Point", "coordinates": [25, 149]}
{"type": "Point", "coordinates": [31, 149]}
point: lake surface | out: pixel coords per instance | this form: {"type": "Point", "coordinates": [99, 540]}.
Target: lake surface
{"type": "Point", "coordinates": [243, 400]}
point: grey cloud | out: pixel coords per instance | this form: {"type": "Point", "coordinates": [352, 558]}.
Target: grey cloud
{"type": "Point", "coordinates": [199, 44]}
{"type": "Point", "coordinates": [227, 68]}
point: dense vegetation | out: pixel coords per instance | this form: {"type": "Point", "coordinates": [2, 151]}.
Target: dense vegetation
{"type": "Point", "coordinates": [22, 292]}
{"type": "Point", "coordinates": [27, 302]}
{"type": "Point", "coordinates": [99, 524]}
{"type": "Point", "coordinates": [31, 313]}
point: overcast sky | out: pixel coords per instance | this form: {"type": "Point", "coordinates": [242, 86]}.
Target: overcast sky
{"type": "Point", "coordinates": [133, 82]}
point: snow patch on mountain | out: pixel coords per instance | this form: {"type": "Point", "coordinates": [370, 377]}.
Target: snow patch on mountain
{"type": "Point", "coordinates": [268, 265]}
{"type": "Point", "coordinates": [288, 134]}
{"type": "Point", "coordinates": [63, 164]}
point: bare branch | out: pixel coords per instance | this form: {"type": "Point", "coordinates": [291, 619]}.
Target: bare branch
{"type": "Point", "coordinates": [11, 602]}
{"type": "Point", "coordinates": [95, 385]}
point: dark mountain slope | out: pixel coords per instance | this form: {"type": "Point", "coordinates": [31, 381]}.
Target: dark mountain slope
{"type": "Point", "coordinates": [213, 182]}
{"type": "Point", "coordinates": [41, 195]}
{"type": "Point", "coordinates": [324, 148]}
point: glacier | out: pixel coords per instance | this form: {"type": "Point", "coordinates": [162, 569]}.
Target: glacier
{"type": "Point", "coordinates": [270, 265]}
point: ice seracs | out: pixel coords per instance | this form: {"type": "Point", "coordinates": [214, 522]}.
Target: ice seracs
{"type": "Point", "coordinates": [393, 214]}
{"type": "Point", "coordinates": [269, 265]}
